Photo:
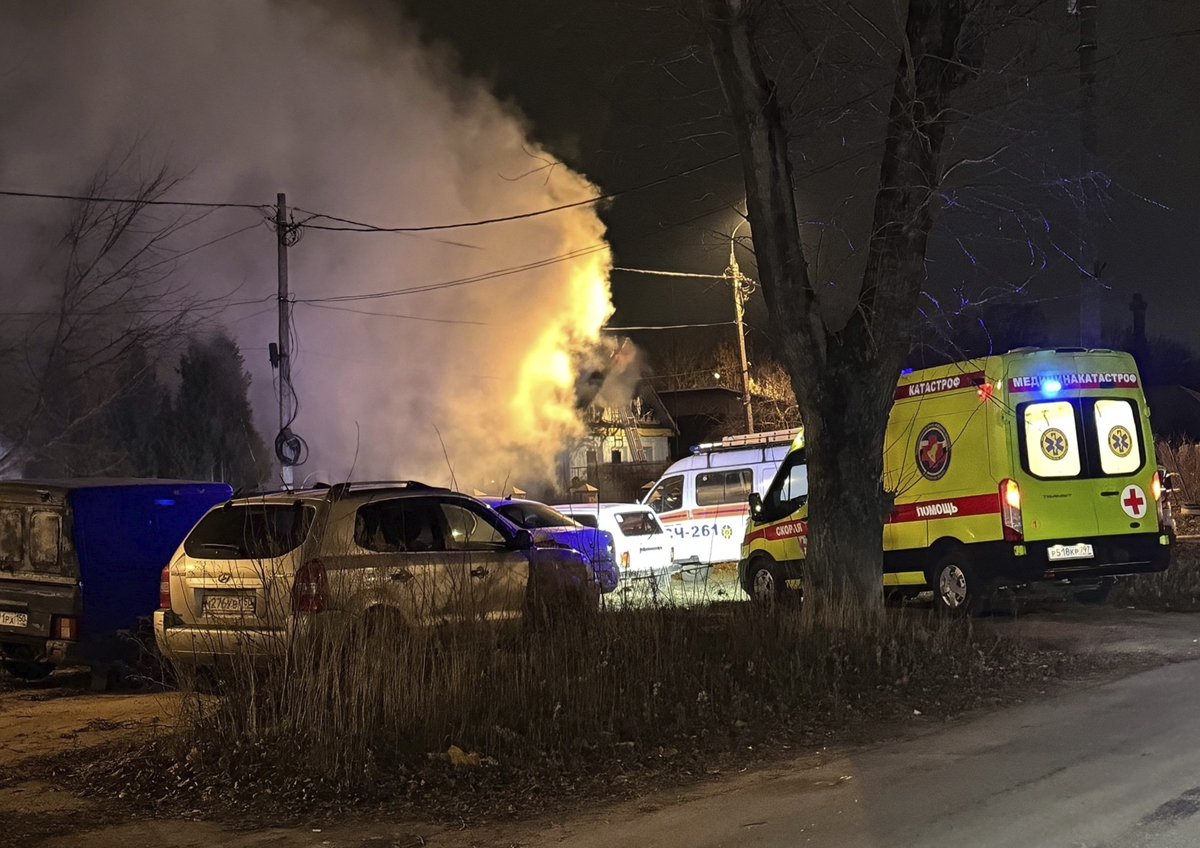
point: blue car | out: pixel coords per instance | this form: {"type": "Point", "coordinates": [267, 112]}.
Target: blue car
{"type": "Point", "coordinates": [546, 523]}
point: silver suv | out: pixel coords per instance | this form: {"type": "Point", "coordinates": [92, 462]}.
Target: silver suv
{"type": "Point", "coordinates": [255, 569]}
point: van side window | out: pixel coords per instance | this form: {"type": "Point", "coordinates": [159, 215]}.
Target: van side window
{"type": "Point", "coordinates": [467, 530]}
{"type": "Point", "coordinates": [1052, 439]}
{"type": "Point", "coordinates": [12, 540]}
{"type": "Point", "coordinates": [667, 495]}
{"type": "Point", "coordinates": [724, 487]}
{"type": "Point", "coordinates": [45, 531]}
{"type": "Point", "coordinates": [402, 524]}
{"type": "Point", "coordinates": [1116, 432]}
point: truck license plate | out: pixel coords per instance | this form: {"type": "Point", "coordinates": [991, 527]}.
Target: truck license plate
{"type": "Point", "coordinates": [228, 603]}
{"type": "Point", "coordinates": [1061, 552]}
{"type": "Point", "coordinates": [14, 619]}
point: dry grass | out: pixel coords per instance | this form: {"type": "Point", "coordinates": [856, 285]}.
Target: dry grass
{"type": "Point", "coordinates": [1183, 460]}
{"type": "Point", "coordinates": [355, 711]}
{"type": "Point", "coordinates": [1177, 588]}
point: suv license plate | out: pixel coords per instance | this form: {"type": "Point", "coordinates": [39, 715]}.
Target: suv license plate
{"type": "Point", "coordinates": [228, 604]}
{"type": "Point", "coordinates": [14, 619]}
{"type": "Point", "coordinates": [1061, 552]}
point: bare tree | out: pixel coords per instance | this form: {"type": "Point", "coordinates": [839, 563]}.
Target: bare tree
{"type": "Point", "coordinates": [844, 363]}
{"type": "Point", "coordinates": [105, 306]}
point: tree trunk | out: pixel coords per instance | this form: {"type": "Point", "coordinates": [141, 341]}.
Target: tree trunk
{"type": "Point", "coordinates": [844, 376]}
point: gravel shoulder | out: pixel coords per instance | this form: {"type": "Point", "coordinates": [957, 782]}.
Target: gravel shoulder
{"type": "Point", "coordinates": [61, 716]}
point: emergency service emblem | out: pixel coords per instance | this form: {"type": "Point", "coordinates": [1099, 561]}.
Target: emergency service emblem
{"type": "Point", "coordinates": [1054, 444]}
{"type": "Point", "coordinates": [1133, 501]}
{"type": "Point", "coordinates": [1120, 442]}
{"type": "Point", "coordinates": [933, 451]}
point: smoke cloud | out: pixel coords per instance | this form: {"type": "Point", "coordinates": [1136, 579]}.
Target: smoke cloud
{"type": "Point", "coordinates": [341, 107]}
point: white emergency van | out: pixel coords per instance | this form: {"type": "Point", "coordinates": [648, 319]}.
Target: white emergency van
{"type": "Point", "coordinates": [703, 499]}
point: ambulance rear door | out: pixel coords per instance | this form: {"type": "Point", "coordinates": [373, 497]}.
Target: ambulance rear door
{"type": "Point", "coordinates": [1086, 464]}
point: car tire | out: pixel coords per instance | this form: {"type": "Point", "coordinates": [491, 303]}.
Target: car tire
{"type": "Point", "coordinates": [764, 583]}
{"type": "Point", "coordinates": [25, 670]}
{"type": "Point", "coordinates": [1097, 594]}
{"type": "Point", "coordinates": [958, 587]}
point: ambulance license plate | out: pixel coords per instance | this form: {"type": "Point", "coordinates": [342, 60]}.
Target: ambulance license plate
{"type": "Point", "coordinates": [1060, 552]}
{"type": "Point", "coordinates": [14, 619]}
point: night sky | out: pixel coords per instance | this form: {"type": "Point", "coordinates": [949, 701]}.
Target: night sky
{"type": "Point", "coordinates": [624, 92]}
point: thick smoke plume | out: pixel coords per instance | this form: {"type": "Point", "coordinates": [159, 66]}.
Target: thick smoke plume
{"type": "Point", "coordinates": [341, 107]}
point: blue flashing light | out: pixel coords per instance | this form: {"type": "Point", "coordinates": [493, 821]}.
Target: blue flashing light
{"type": "Point", "coordinates": [164, 502]}
{"type": "Point", "coordinates": [1051, 387]}
{"type": "Point", "coordinates": [906, 371]}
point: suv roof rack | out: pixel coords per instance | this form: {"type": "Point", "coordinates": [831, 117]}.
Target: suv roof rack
{"type": "Point", "coordinates": [338, 490]}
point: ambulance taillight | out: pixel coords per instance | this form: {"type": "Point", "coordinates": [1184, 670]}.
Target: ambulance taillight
{"type": "Point", "coordinates": [1160, 490]}
{"type": "Point", "coordinates": [1010, 511]}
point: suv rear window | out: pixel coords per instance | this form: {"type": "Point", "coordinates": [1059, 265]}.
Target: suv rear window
{"type": "Point", "coordinates": [250, 531]}
{"type": "Point", "coordinates": [533, 516]}
{"type": "Point", "coordinates": [638, 523]}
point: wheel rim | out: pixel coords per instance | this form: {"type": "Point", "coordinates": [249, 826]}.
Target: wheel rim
{"type": "Point", "coordinates": [764, 585]}
{"type": "Point", "coordinates": [952, 586]}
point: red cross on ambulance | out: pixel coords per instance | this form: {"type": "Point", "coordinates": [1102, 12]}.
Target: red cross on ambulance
{"type": "Point", "coordinates": [1133, 501]}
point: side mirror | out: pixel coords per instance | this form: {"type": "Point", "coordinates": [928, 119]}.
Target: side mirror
{"type": "Point", "coordinates": [756, 505]}
{"type": "Point", "coordinates": [523, 541]}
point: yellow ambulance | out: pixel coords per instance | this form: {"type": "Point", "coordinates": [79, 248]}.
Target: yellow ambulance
{"type": "Point", "coordinates": [1034, 465]}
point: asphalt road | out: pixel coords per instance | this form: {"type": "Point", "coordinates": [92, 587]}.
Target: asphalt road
{"type": "Point", "coordinates": [1117, 765]}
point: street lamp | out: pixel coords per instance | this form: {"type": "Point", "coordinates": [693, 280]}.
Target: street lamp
{"type": "Point", "coordinates": [743, 286]}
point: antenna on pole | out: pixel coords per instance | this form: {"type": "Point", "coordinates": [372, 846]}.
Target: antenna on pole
{"type": "Point", "coordinates": [290, 449]}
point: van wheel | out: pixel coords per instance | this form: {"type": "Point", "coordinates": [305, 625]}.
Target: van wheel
{"type": "Point", "coordinates": [958, 588]}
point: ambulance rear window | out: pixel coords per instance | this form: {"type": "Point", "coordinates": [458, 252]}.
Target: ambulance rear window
{"type": "Point", "coordinates": [1081, 437]}
{"type": "Point", "coordinates": [1052, 439]}
{"type": "Point", "coordinates": [724, 487]}
{"type": "Point", "coordinates": [1116, 432]}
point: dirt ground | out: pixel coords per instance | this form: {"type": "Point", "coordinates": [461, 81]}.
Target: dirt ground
{"type": "Point", "coordinates": [61, 714]}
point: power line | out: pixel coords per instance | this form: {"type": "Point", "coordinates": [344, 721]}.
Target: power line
{"type": "Point", "coordinates": [391, 314]}
{"type": "Point", "coordinates": [672, 274]}
{"type": "Point", "coordinates": [140, 201]}
{"type": "Point", "coordinates": [359, 226]}
{"type": "Point", "coordinates": [462, 281]}
{"type": "Point", "coordinates": [667, 327]}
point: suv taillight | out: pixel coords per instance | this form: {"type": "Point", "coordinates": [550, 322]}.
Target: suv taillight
{"type": "Point", "coordinates": [308, 592]}
{"type": "Point", "coordinates": [1010, 511]}
{"type": "Point", "coordinates": [164, 588]}
{"type": "Point", "coordinates": [65, 627]}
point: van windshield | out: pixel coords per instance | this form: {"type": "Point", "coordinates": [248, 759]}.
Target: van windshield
{"type": "Point", "coordinates": [1081, 437]}
{"type": "Point", "coordinates": [250, 531]}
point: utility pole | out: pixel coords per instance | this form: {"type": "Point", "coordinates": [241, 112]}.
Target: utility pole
{"type": "Point", "coordinates": [289, 448]}
{"type": "Point", "coordinates": [285, 355]}
{"type": "Point", "coordinates": [1089, 265]}
{"type": "Point", "coordinates": [742, 287]}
